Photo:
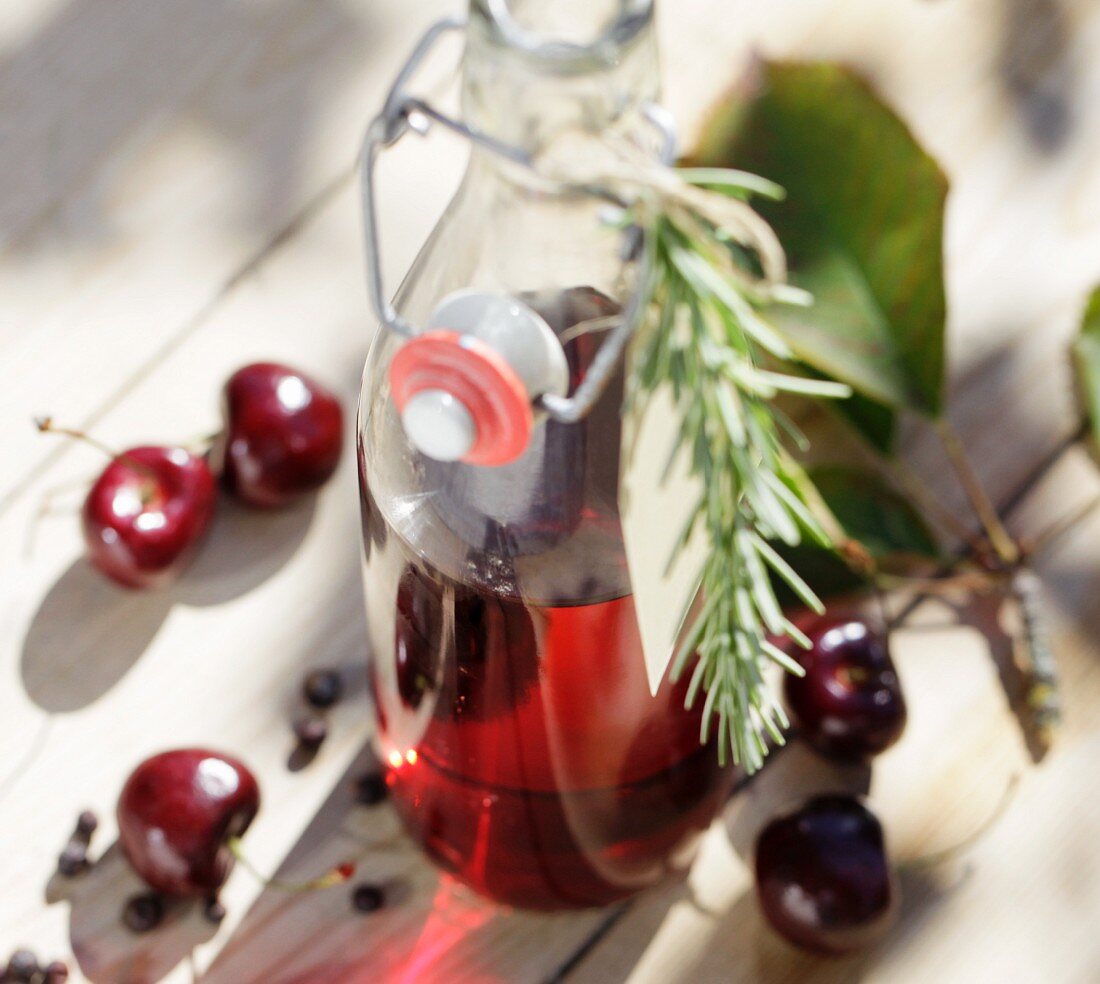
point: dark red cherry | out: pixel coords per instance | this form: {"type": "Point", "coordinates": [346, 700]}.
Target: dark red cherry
{"type": "Point", "coordinates": [823, 877]}
{"type": "Point", "coordinates": [849, 705]}
{"type": "Point", "coordinates": [282, 438]}
{"type": "Point", "coordinates": [146, 513]}
{"type": "Point", "coordinates": [176, 814]}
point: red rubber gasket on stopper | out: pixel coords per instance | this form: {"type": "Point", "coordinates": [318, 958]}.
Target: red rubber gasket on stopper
{"type": "Point", "coordinates": [480, 378]}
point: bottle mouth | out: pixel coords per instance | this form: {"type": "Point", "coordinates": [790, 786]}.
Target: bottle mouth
{"type": "Point", "coordinates": [567, 35]}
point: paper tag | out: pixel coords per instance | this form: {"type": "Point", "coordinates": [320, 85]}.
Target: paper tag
{"type": "Point", "coordinates": [655, 508]}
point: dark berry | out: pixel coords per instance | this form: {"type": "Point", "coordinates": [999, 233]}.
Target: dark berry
{"type": "Point", "coordinates": [87, 823]}
{"type": "Point", "coordinates": [22, 966]}
{"type": "Point", "coordinates": [371, 789]}
{"type": "Point", "coordinates": [323, 688]}
{"type": "Point", "coordinates": [56, 973]}
{"type": "Point", "coordinates": [143, 912]}
{"type": "Point", "coordinates": [311, 731]}
{"type": "Point", "coordinates": [73, 860]}
{"type": "Point", "coordinates": [823, 877]}
{"type": "Point", "coordinates": [368, 898]}
{"type": "Point", "coordinates": [214, 910]}
{"type": "Point", "coordinates": [176, 814]}
{"type": "Point", "coordinates": [849, 705]}
{"type": "Point", "coordinates": [283, 435]}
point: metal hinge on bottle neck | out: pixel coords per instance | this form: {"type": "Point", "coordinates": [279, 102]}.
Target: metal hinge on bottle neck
{"type": "Point", "coordinates": [402, 112]}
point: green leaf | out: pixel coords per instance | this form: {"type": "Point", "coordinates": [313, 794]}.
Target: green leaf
{"type": "Point", "coordinates": [862, 224]}
{"type": "Point", "coordinates": [872, 513]}
{"type": "Point", "coordinates": [869, 512]}
{"type": "Point", "coordinates": [877, 423]}
{"type": "Point", "coordinates": [1086, 357]}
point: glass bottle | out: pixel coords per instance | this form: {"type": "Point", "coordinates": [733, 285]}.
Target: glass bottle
{"type": "Point", "coordinates": [527, 754]}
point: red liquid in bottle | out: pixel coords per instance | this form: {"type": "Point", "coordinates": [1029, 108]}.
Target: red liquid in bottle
{"type": "Point", "coordinates": [528, 756]}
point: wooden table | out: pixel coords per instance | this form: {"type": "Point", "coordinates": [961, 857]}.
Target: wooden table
{"type": "Point", "coordinates": [176, 200]}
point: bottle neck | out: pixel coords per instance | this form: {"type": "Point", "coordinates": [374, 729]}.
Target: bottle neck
{"type": "Point", "coordinates": [535, 69]}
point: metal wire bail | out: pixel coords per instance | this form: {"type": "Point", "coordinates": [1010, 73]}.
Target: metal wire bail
{"type": "Point", "coordinates": [402, 112]}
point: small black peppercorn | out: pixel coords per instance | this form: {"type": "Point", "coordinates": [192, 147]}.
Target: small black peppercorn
{"type": "Point", "coordinates": [143, 913]}
{"type": "Point", "coordinates": [56, 973]}
{"type": "Point", "coordinates": [86, 823]}
{"type": "Point", "coordinates": [214, 910]}
{"type": "Point", "coordinates": [22, 966]}
{"type": "Point", "coordinates": [368, 898]}
{"type": "Point", "coordinates": [323, 688]}
{"type": "Point", "coordinates": [310, 731]}
{"type": "Point", "coordinates": [371, 789]}
{"type": "Point", "coordinates": [73, 860]}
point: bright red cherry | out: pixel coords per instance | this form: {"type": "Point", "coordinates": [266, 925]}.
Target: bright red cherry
{"type": "Point", "coordinates": [823, 877]}
{"type": "Point", "coordinates": [283, 435]}
{"type": "Point", "coordinates": [176, 815]}
{"type": "Point", "coordinates": [849, 704]}
{"type": "Point", "coordinates": [146, 514]}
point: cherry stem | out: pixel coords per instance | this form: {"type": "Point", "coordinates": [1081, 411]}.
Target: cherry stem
{"type": "Point", "coordinates": [46, 425]}
{"type": "Point", "coordinates": [337, 875]}
{"type": "Point", "coordinates": [200, 444]}
{"type": "Point", "coordinates": [937, 858]}
{"type": "Point", "coordinates": [999, 537]}
{"type": "Point", "coordinates": [970, 580]}
{"type": "Point", "coordinates": [939, 513]}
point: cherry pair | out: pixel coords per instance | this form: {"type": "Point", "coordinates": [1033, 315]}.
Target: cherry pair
{"type": "Point", "coordinates": [822, 873]}
{"type": "Point", "coordinates": [146, 513]}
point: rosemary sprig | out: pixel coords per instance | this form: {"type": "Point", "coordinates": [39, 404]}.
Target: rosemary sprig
{"type": "Point", "coordinates": [714, 263]}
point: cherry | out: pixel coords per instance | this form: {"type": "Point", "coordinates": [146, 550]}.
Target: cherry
{"type": "Point", "coordinates": [177, 814]}
{"type": "Point", "coordinates": [849, 704]}
{"type": "Point", "coordinates": [823, 878]}
{"type": "Point", "coordinates": [146, 513]}
{"type": "Point", "coordinates": [282, 438]}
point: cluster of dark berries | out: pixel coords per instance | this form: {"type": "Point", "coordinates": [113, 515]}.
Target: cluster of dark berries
{"type": "Point", "coordinates": [23, 968]}
{"type": "Point", "coordinates": [74, 859]}
{"type": "Point", "coordinates": [145, 515]}
{"type": "Point", "coordinates": [321, 689]}
{"type": "Point", "coordinates": [823, 875]}
{"type": "Point", "coordinates": [370, 790]}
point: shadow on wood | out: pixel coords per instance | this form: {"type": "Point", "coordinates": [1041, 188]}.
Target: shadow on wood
{"type": "Point", "coordinates": [105, 949]}
{"type": "Point", "coordinates": [791, 775]}
{"type": "Point", "coordinates": [254, 79]}
{"type": "Point", "coordinates": [88, 633]}
{"type": "Point", "coordinates": [1036, 70]}
{"type": "Point", "coordinates": [431, 929]}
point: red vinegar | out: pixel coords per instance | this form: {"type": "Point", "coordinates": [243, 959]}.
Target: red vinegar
{"type": "Point", "coordinates": [527, 755]}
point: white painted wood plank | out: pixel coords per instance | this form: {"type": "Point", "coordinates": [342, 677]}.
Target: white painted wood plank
{"type": "Point", "coordinates": [94, 677]}
{"type": "Point", "coordinates": [150, 151]}
{"type": "Point", "coordinates": [90, 679]}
